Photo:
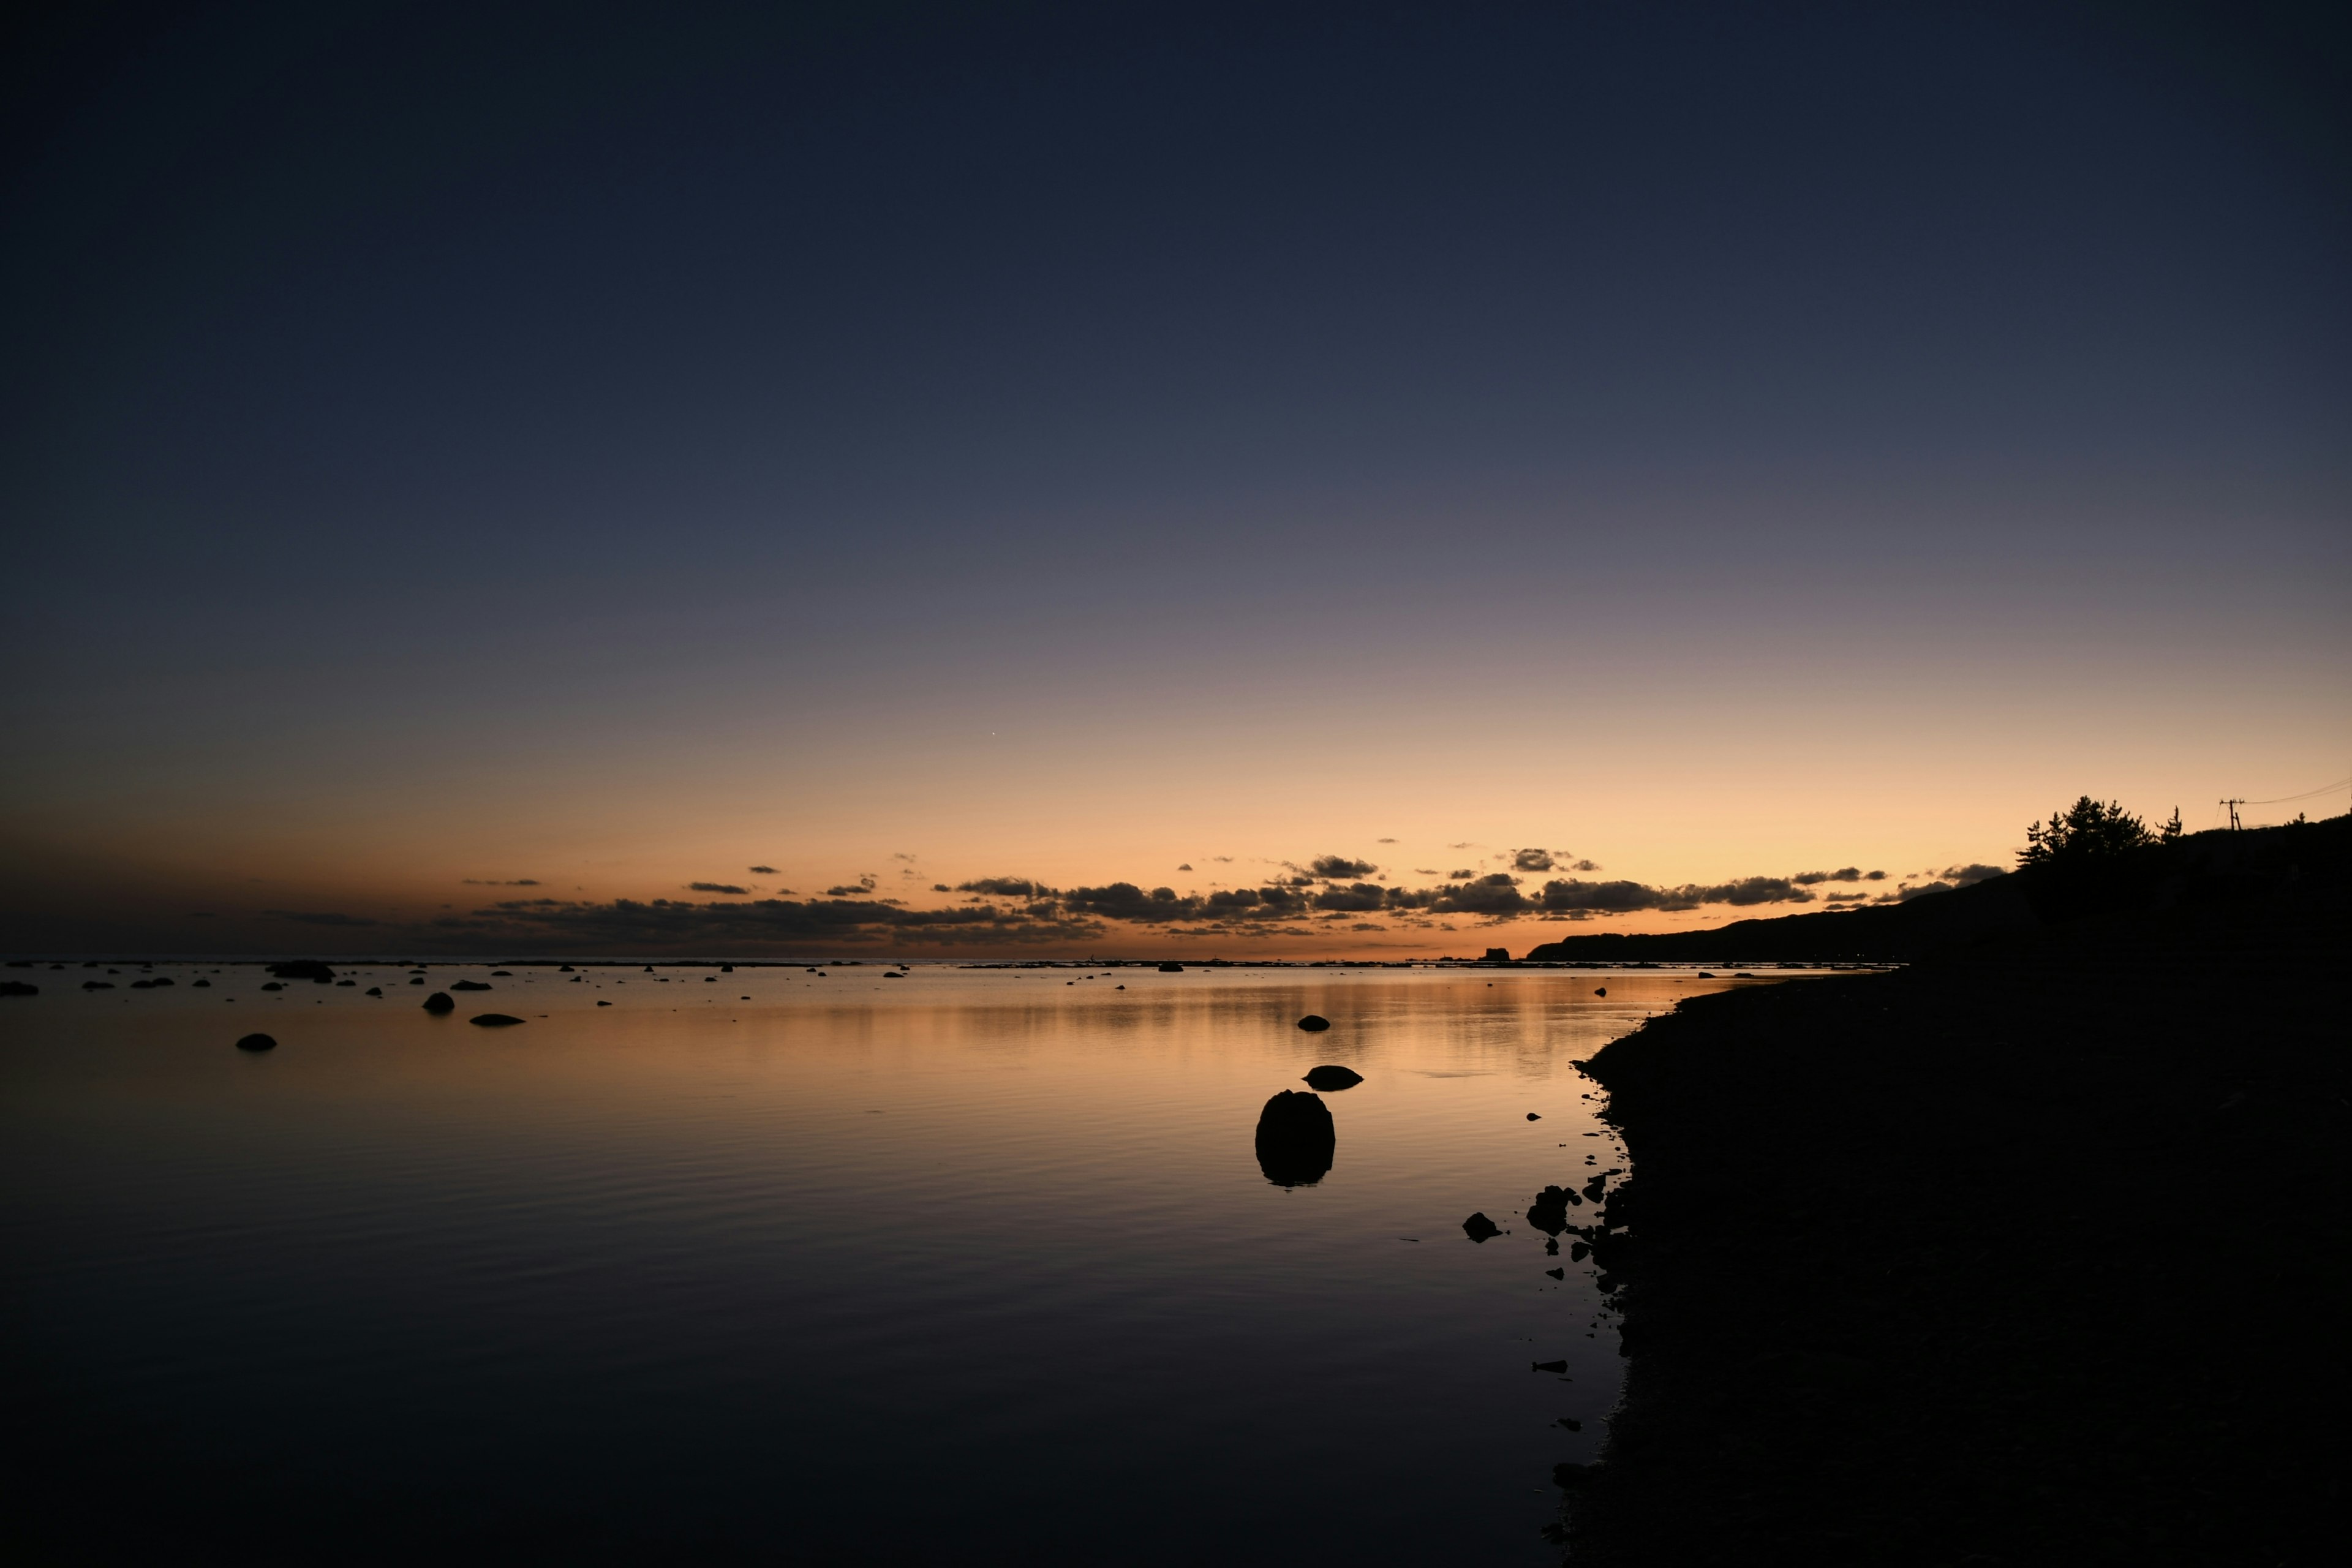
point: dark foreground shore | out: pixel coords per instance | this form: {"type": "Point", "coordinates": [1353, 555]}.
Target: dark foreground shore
{"type": "Point", "coordinates": [2035, 1252]}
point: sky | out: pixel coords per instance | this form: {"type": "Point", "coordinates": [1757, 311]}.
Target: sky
{"type": "Point", "coordinates": [586, 478]}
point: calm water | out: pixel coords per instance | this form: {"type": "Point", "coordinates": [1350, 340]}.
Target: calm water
{"type": "Point", "coordinates": [970, 1266]}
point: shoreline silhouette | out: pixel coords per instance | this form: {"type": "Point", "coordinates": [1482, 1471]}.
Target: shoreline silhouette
{"type": "Point", "coordinates": [2030, 1251]}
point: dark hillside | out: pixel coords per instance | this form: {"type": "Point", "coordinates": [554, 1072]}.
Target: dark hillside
{"type": "Point", "coordinates": [2199, 868]}
{"type": "Point", "coordinates": [2037, 1251]}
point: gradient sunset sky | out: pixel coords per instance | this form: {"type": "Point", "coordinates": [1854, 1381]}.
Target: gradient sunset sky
{"type": "Point", "coordinates": [473, 474]}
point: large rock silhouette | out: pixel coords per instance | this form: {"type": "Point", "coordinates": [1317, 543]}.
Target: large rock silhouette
{"type": "Point", "coordinates": [1295, 1139]}
{"type": "Point", "coordinates": [1332, 1079]}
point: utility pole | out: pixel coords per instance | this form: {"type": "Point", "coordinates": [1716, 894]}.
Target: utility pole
{"type": "Point", "coordinates": [2233, 806]}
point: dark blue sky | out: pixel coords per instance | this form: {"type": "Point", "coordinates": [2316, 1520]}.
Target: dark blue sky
{"type": "Point", "coordinates": [487, 372]}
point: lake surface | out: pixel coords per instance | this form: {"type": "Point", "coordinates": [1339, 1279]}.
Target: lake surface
{"type": "Point", "coordinates": [973, 1265]}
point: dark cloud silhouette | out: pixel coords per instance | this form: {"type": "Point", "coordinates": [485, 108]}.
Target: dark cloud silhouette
{"type": "Point", "coordinates": [716, 887]}
{"type": "Point", "coordinates": [1359, 898]}
{"type": "Point", "coordinates": [1384, 841]}
{"type": "Point", "coordinates": [1970, 875]}
{"type": "Point", "coordinates": [1815, 878]}
{"type": "Point", "coordinates": [1600, 897]}
{"type": "Point", "coordinates": [1126, 901]}
{"type": "Point", "coordinates": [1495, 894]}
{"type": "Point", "coordinates": [1462, 876]}
{"type": "Point", "coordinates": [1905, 894]}
{"type": "Point", "coordinates": [1185, 867]}
{"type": "Point", "coordinates": [1336, 867]}
{"type": "Point", "coordinates": [761, 871]}
{"type": "Point", "coordinates": [1005, 887]}
{"type": "Point", "coordinates": [1531, 860]}
{"type": "Point", "coordinates": [1571, 895]}
{"type": "Point", "coordinates": [941, 888]}
{"type": "Point", "coordinates": [626, 923]}
{"type": "Point", "coordinates": [847, 890]}
{"type": "Point", "coordinates": [494, 882]}
{"type": "Point", "coordinates": [1582, 866]}
{"type": "Point", "coordinates": [327, 918]}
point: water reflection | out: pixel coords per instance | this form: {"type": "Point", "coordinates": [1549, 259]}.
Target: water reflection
{"type": "Point", "coordinates": [1296, 1138]}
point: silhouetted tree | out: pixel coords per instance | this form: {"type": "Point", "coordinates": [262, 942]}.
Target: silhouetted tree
{"type": "Point", "coordinates": [2170, 832]}
{"type": "Point", "coordinates": [2086, 831]}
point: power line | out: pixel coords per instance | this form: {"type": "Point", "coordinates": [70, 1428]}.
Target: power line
{"type": "Point", "coordinates": [2306, 795]}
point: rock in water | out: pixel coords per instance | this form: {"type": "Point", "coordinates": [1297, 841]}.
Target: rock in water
{"type": "Point", "coordinates": [18, 988]}
{"type": "Point", "coordinates": [472, 985]}
{"type": "Point", "coordinates": [1600, 991]}
{"type": "Point", "coordinates": [301, 969]}
{"type": "Point", "coordinates": [604, 1003]}
{"type": "Point", "coordinates": [439, 1002]}
{"type": "Point", "coordinates": [1171, 969]}
{"type": "Point", "coordinates": [1295, 1140]}
{"type": "Point", "coordinates": [1479, 1227]}
{"type": "Point", "coordinates": [375, 989]}
{"type": "Point", "coordinates": [494, 1020]}
{"type": "Point", "coordinates": [1533, 1116]}
{"type": "Point", "coordinates": [1313, 1022]}
{"type": "Point", "coordinates": [256, 1043]}
{"type": "Point", "coordinates": [1550, 1211]}
{"type": "Point", "coordinates": [1330, 1078]}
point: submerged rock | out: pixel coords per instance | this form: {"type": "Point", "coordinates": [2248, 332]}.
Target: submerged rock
{"type": "Point", "coordinates": [1331, 1078]}
{"type": "Point", "coordinates": [256, 1043]}
{"type": "Point", "coordinates": [439, 1002]}
{"type": "Point", "coordinates": [1296, 1139]}
{"type": "Point", "coordinates": [604, 1003]}
{"type": "Point", "coordinates": [1171, 969]}
{"type": "Point", "coordinates": [375, 989]}
{"type": "Point", "coordinates": [1313, 1022]}
{"type": "Point", "coordinates": [301, 969]}
{"type": "Point", "coordinates": [1479, 1227]}
{"type": "Point", "coordinates": [18, 988]}
{"type": "Point", "coordinates": [109, 985]}
{"type": "Point", "coordinates": [1547, 1366]}
{"type": "Point", "coordinates": [471, 985]}
{"type": "Point", "coordinates": [273, 985]}
{"type": "Point", "coordinates": [494, 1020]}
{"type": "Point", "coordinates": [1600, 991]}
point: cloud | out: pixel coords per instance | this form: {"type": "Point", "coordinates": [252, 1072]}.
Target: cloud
{"type": "Point", "coordinates": [710, 888]}
{"type": "Point", "coordinates": [628, 925]}
{"type": "Point", "coordinates": [492, 882]}
{"type": "Point", "coordinates": [1005, 887]}
{"type": "Point", "coordinates": [901, 855]}
{"type": "Point", "coordinates": [761, 871]}
{"type": "Point", "coordinates": [1465, 844]}
{"type": "Point", "coordinates": [847, 890]}
{"type": "Point", "coordinates": [1582, 866]}
{"type": "Point", "coordinates": [1384, 841]}
{"type": "Point", "coordinates": [1571, 894]}
{"type": "Point", "coordinates": [1126, 901]}
{"type": "Point", "coordinates": [1815, 878]}
{"type": "Point", "coordinates": [1530, 859]}
{"type": "Point", "coordinates": [1185, 867]}
{"type": "Point", "coordinates": [322, 919]}
{"type": "Point", "coordinates": [1359, 898]}
{"type": "Point", "coordinates": [941, 888]}
{"type": "Point", "coordinates": [1222, 859]}
{"type": "Point", "coordinates": [1462, 876]}
{"type": "Point", "coordinates": [1874, 876]}
{"type": "Point", "coordinates": [1334, 867]}
{"type": "Point", "coordinates": [1905, 894]}
{"type": "Point", "coordinates": [1970, 875]}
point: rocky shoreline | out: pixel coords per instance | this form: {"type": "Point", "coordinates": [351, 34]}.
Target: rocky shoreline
{"type": "Point", "coordinates": [2037, 1251]}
